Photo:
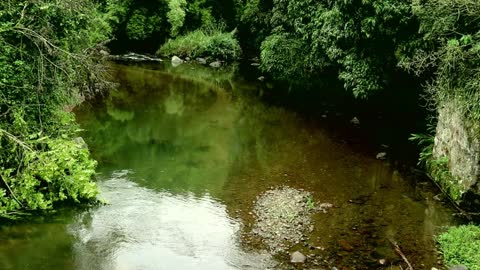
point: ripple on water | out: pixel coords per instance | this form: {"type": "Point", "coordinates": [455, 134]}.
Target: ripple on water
{"type": "Point", "coordinates": [145, 229]}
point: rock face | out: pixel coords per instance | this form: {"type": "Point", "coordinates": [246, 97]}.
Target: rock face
{"type": "Point", "coordinates": [456, 140]}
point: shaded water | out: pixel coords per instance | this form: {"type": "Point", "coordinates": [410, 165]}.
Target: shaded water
{"type": "Point", "coordinates": [184, 152]}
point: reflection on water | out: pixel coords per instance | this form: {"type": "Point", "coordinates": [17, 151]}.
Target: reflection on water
{"type": "Point", "coordinates": [182, 155]}
{"type": "Point", "coordinates": [144, 229]}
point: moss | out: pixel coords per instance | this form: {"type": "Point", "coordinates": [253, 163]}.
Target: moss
{"type": "Point", "coordinates": [438, 170]}
{"type": "Point", "coordinates": [461, 245]}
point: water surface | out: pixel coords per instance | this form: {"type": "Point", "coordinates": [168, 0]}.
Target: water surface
{"type": "Point", "coordinates": [184, 152]}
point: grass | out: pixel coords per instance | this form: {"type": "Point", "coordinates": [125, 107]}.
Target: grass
{"type": "Point", "coordinates": [206, 43]}
{"type": "Point", "coordinates": [461, 245]}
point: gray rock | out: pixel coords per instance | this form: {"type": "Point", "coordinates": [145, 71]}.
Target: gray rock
{"type": "Point", "coordinates": [255, 64]}
{"type": "Point", "coordinates": [261, 78]}
{"type": "Point", "coordinates": [458, 267]}
{"type": "Point", "coordinates": [216, 64]}
{"type": "Point", "coordinates": [355, 121]}
{"type": "Point", "coordinates": [104, 53]}
{"type": "Point", "coordinates": [297, 257]}
{"type": "Point", "coordinates": [176, 61]}
{"type": "Point", "coordinates": [80, 142]}
{"type": "Point", "coordinates": [381, 155]}
{"type": "Point", "coordinates": [202, 61]}
{"type": "Point", "coordinates": [187, 58]}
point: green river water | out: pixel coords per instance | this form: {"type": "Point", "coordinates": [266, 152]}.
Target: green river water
{"type": "Point", "coordinates": [183, 153]}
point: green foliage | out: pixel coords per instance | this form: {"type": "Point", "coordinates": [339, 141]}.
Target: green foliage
{"type": "Point", "coordinates": [310, 202]}
{"type": "Point", "coordinates": [212, 43]}
{"type": "Point", "coordinates": [255, 24]}
{"type": "Point", "coordinates": [358, 39]}
{"type": "Point", "coordinates": [48, 60]}
{"type": "Point", "coordinates": [199, 15]}
{"type": "Point", "coordinates": [448, 47]}
{"type": "Point", "coordinates": [437, 168]}
{"type": "Point", "coordinates": [281, 55]}
{"type": "Point", "coordinates": [55, 170]}
{"type": "Point", "coordinates": [140, 26]}
{"type": "Point", "coordinates": [176, 15]}
{"type": "Point", "coordinates": [461, 245]}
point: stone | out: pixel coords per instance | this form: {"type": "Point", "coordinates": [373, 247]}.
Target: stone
{"type": "Point", "coordinates": [261, 78]}
{"type": "Point", "coordinates": [458, 267]}
{"type": "Point", "coordinates": [216, 64]}
{"type": "Point", "coordinates": [381, 155]}
{"type": "Point", "coordinates": [187, 58]}
{"type": "Point", "coordinates": [202, 61]}
{"type": "Point", "coordinates": [176, 61]}
{"type": "Point", "coordinates": [255, 64]}
{"type": "Point", "coordinates": [297, 257]}
{"type": "Point", "coordinates": [345, 245]}
{"type": "Point", "coordinates": [355, 121]}
{"type": "Point", "coordinates": [104, 53]}
{"type": "Point", "coordinates": [80, 142]}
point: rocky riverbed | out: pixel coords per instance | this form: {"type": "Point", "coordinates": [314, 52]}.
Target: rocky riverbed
{"type": "Point", "coordinates": [283, 217]}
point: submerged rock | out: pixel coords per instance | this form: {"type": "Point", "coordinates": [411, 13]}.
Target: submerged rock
{"type": "Point", "coordinates": [297, 257]}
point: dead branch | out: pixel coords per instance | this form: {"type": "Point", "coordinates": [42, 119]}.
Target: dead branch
{"type": "Point", "coordinates": [10, 191]}
{"type": "Point", "coordinates": [400, 253]}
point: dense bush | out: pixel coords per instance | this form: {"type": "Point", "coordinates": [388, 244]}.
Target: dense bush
{"type": "Point", "coordinates": [145, 25]}
{"type": "Point", "coordinates": [47, 61]}
{"type": "Point", "coordinates": [213, 44]}
{"type": "Point", "coordinates": [359, 39]}
{"type": "Point", "coordinates": [448, 48]}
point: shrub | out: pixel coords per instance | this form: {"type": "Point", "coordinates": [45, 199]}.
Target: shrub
{"type": "Point", "coordinates": [48, 60]}
{"type": "Point", "coordinates": [213, 44]}
{"type": "Point", "coordinates": [461, 245]}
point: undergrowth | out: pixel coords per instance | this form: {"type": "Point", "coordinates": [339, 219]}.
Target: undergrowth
{"type": "Point", "coordinates": [461, 246]}
{"type": "Point", "coordinates": [209, 43]}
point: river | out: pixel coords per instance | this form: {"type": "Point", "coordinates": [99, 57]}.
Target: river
{"type": "Point", "coordinates": [184, 152]}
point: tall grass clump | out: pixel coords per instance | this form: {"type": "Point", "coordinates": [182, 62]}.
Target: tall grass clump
{"type": "Point", "coordinates": [210, 43]}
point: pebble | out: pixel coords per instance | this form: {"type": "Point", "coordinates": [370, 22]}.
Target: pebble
{"type": "Point", "coordinates": [345, 245]}
{"type": "Point", "coordinates": [297, 257]}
